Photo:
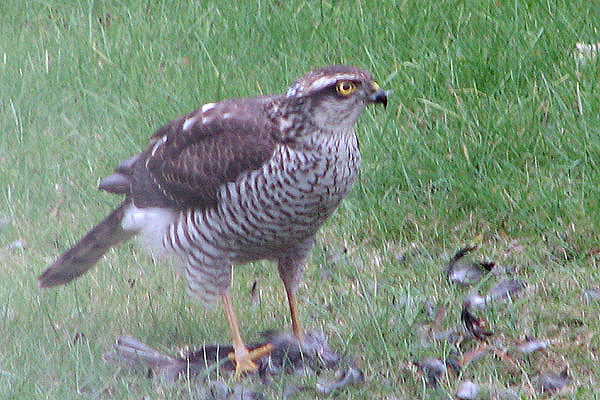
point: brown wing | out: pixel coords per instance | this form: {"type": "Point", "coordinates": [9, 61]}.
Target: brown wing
{"type": "Point", "coordinates": [191, 157]}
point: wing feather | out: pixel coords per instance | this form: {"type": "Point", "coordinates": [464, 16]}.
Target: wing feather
{"type": "Point", "coordinates": [190, 158]}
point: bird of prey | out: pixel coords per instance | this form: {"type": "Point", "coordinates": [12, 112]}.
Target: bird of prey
{"type": "Point", "coordinates": [237, 181]}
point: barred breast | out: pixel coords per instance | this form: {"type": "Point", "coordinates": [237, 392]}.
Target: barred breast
{"type": "Point", "coordinates": [289, 198]}
{"type": "Point", "coordinates": [266, 212]}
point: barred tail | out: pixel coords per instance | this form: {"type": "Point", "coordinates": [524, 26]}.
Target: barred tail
{"type": "Point", "coordinates": [84, 254]}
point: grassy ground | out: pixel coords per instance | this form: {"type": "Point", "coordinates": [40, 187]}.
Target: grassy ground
{"type": "Point", "coordinates": [491, 138]}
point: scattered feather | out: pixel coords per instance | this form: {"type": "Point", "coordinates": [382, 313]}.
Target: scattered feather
{"type": "Point", "coordinates": [467, 390]}
{"type": "Point", "coordinates": [309, 357]}
{"type": "Point", "coordinates": [464, 272]}
{"type": "Point", "coordinates": [475, 326]}
{"type": "Point", "coordinates": [453, 363]}
{"type": "Point", "coordinates": [18, 244]}
{"type": "Point", "coordinates": [241, 392]}
{"type": "Point", "coordinates": [449, 335]}
{"type": "Point", "coordinates": [502, 292]}
{"type": "Point", "coordinates": [472, 356]}
{"type": "Point", "coordinates": [550, 382]}
{"type": "Point", "coordinates": [291, 356]}
{"type": "Point", "coordinates": [352, 375]}
{"type": "Point", "coordinates": [505, 290]}
{"type": "Point", "coordinates": [461, 253]}
{"type": "Point", "coordinates": [474, 301]}
{"type": "Point", "coordinates": [530, 345]}
{"type": "Point", "coordinates": [433, 369]}
{"type": "Point", "coordinates": [288, 355]}
{"type": "Point", "coordinates": [137, 355]}
{"type": "Point", "coordinates": [433, 330]}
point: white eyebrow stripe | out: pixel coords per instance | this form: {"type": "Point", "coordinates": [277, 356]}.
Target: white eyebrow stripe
{"type": "Point", "coordinates": [325, 81]}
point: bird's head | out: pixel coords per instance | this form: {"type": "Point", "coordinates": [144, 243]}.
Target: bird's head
{"type": "Point", "coordinates": [333, 97]}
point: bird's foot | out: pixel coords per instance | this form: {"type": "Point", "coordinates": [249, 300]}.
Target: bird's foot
{"type": "Point", "coordinates": [245, 359]}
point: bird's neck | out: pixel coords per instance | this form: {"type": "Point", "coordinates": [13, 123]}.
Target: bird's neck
{"type": "Point", "coordinates": [295, 127]}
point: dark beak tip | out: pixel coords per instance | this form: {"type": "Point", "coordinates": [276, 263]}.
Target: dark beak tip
{"type": "Point", "coordinates": [380, 97]}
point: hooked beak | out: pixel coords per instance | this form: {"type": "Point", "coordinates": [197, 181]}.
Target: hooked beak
{"type": "Point", "coordinates": [379, 95]}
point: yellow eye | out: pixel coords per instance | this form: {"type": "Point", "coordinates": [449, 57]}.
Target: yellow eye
{"type": "Point", "coordinates": [345, 88]}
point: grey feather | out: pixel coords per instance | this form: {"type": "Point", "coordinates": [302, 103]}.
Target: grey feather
{"type": "Point", "coordinates": [87, 251]}
{"type": "Point", "coordinates": [116, 183]}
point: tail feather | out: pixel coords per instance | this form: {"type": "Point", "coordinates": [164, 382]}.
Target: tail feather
{"type": "Point", "coordinates": [86, 253]}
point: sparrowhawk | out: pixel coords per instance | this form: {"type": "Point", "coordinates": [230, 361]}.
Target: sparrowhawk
{"type": "Point", "coordinates": [237, 181]}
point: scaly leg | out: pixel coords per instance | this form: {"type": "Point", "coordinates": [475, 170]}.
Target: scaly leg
{"type": "Point", "coordinates": [244, 358]}
{"type": "Point", "coordinates": [296, 325]}
{"type": "Point", "coordinates": [291, 268]}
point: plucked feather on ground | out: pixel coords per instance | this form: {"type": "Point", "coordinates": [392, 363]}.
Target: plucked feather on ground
{"type": "Point", "coordinates": [308, 357]}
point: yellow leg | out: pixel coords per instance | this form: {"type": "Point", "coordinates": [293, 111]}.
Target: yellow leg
{"type": "Point", "coordinates": [244, 358]}
{"type": "Point", "coordinates": [296, 325]}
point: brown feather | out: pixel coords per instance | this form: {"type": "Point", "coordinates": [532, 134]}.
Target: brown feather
{"type": "Point", "coordinates": [186, 167]}
{"type": "Point", "coordinates": [87, 251]}
{"type": "Point", "coordinates": [116, 183]}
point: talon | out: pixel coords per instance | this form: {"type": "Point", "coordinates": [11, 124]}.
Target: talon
{"type": "Point", "coordinates": [245, 359]}
{"type": "Point", "coordinates": [242, 366]}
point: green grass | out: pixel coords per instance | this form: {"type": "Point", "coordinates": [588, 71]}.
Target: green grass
{"type": "Point", "coordinates": [483, 142]}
